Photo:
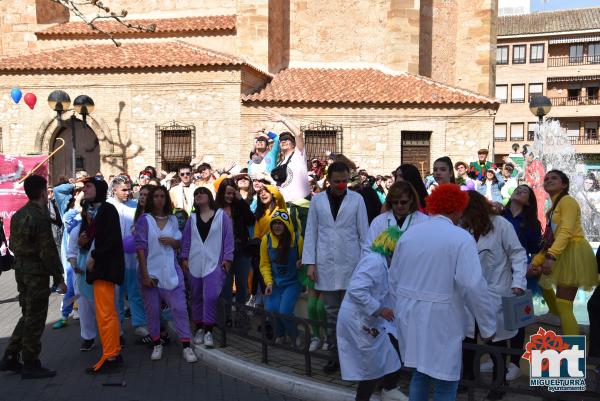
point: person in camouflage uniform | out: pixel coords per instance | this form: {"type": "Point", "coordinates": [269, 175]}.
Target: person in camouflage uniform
{"type": "Point", "coordinates": [36, 259]}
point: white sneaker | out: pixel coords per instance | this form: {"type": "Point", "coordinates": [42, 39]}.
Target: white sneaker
{"type": "Point", "coordinates": [315, 344]}
{"type": "Point", "coordinates": [325, 346]}
{"type": "Point", "coordinates": [251, 302]}
{"type": "Point", "coordinates": [208, 340]}
{"type": "Point", "coordinates": [157, 353]}
{"type": "Point", "coordinates": [199, 337]}
{"type": "Point", "coordinates": [487, 366]}
{"type": "Point", "coordinates": [75, 315]}
{"type": "Point", "coordinates": [189, 355]}
{"type": "Point", "coordinates": [549, 318]}
{"type": "Point", "coordinates": [280, 340]}
{"type": "Point", "coordinates": [393, 395]}
{"type": "Point", "coordinates": [141, 331]}
{"type": "Point", "coordinates": [514, 372]}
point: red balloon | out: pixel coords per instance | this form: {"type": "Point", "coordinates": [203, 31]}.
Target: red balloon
{"type": "Point", "coordinates": [30, 100]}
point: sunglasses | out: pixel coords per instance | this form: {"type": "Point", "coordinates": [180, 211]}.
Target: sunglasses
{"type": "Point", "coordinates": [184, 174]}
{"type": "Point", "coordinates": [400, 202]}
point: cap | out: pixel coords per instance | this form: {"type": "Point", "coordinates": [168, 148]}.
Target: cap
{"type": "Point", "coordinates": [287, 135]}
{"type": "Point", "coordinates": [483, 151]}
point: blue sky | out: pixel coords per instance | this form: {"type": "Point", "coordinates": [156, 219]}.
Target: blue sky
{"type": "Point", "coordinates": [548, 5]}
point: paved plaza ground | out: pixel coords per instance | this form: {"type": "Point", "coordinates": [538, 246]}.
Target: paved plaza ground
{"type": "Point", "coordinates": [171, 379]}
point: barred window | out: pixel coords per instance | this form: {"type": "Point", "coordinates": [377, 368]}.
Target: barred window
{"type": "Point", "coordinates": [175, 145]}
{"type": "Point", "coordinates": [320, 139]}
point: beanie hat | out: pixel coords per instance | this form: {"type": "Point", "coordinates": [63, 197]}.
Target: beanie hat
{"type": "Point", "coordinates": [385, 243]}
{"type": "Point", "coordinates": [101, 188]}
{"type": "Point", "coordinates": [446, 199]}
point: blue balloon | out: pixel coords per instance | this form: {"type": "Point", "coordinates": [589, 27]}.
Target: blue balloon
{"type": "Point", "coordinates": [16, 94]}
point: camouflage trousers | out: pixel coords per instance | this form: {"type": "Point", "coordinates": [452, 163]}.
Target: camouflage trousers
{"type": "Point", "coordinates": [34, 291]}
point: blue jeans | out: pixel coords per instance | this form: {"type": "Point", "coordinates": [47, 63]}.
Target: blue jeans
{"type": "Point", "coordinates": [131, 287]}
{"type": "Point", "coordinates": [240, 269]}
{"type": "Point", "coordinates": [283, 300]}
{"type": "Point", "coordinates": [442, 390]}
{"type": "Point", "coordinates": [67, 308]}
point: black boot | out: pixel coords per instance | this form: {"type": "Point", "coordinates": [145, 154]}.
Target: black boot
{"type": "Point", "coordinates": [11, 362]}
{"type": "Point", "coordinates": [331, 367]}
{"type": "Point", "coordinates": [35, 370]}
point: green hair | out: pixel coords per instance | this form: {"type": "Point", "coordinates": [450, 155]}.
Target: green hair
{"type": "Point", "coordinates": [385, 242]}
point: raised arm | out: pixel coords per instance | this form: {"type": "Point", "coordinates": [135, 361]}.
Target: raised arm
{"type": "Point", "coordinates": [276, 117]}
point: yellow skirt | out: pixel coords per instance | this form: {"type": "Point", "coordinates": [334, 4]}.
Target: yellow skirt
{"type": "Point", "coordinates": [575, 267]}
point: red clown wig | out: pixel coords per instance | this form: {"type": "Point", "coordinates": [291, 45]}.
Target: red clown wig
{"type": "Point", "coordinates": [446, 199]}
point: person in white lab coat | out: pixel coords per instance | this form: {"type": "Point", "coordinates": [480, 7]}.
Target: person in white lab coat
{"type": "Point", "coordinates": [435, 273]}
{"type": "Point", "coordinates": [335, 239]}
{"type": "Point", "coordinates": [504, 265]}
{"type": "Point", "coordinates": [401, 209]}
{"type": "Point", "coordinates": [365, 331]}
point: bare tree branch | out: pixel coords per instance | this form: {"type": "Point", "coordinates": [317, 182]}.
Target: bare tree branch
{"type": "Point", "coordinates": [104, 13]}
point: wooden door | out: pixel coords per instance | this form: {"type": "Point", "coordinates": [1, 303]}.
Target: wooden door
{"type": "Point", "coordinates": [87, 152]}
{"type": "Point", "coordinates": [416, 150]}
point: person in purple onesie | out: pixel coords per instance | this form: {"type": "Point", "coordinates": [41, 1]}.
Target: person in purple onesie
{"type": "Point", "coordinates": [157, 237]}
{"type": "Point", "coordinates": [206, 253]}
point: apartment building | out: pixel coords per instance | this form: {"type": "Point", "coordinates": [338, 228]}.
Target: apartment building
{"type": "Point", "coordinates": [556, 54]}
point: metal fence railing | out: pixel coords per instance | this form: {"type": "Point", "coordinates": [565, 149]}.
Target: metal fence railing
{"type": "Point", "coordinates": [240, 324]}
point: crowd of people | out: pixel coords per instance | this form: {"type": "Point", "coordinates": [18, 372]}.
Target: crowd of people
{"type": "Point", "coordinates": [387, 262]}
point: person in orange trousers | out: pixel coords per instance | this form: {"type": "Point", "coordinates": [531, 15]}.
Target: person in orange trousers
{"type": "Point", "coordinates": [101, 233]}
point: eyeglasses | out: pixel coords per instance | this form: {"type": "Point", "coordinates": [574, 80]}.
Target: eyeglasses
{"type": "Point", "coordinates": [400, 202]}
{"type": "Point", "coordinates": [185, 174]}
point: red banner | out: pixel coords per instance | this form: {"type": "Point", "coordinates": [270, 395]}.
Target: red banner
{"type": "Point", "coordinates": [12, 194]}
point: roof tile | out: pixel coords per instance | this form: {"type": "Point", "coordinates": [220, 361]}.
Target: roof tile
{"type": "Point", "coordinates": [365, 85]}
{"type": "Point", "coordinates": [126, 56]}
{"type": "Point", "coordinates": [548, 22]}
{"type": "Point", "coordinates": [167, 25]}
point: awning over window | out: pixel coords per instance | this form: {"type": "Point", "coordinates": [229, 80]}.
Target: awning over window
{"type": "Point", "coordinates": [585, 39]}
{"type": "Point", "coordinates": [578, 78]}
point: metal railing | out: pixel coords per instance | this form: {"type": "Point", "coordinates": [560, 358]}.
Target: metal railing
{"type": "Point", "coordinates": [584, 140]}
{"type": "Point", "coordinates": [574, 100]}
{"type": "Point", "coordinates": [240, 324]}
{"type": "Point", "coordinates": [564, 61]}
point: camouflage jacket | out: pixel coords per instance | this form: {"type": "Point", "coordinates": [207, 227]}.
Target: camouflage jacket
{"type": "Point", "coordinates": [32, 242]}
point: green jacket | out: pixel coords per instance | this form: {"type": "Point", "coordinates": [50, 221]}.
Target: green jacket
{"type": "Point", "coordinates": [32, 242]}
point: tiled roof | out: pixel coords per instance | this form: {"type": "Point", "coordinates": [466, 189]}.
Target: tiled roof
{"type": "Point", "coordinates": [167, 25]}
{"type": "Point", "coordinates": [547, 22]}
{"type": "Point", "coordinates": [364, 85]}
{"type": "Point", "coordinates": [126, 56]}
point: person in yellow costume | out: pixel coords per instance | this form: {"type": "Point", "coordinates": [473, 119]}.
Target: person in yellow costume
{"type": "Point", "coordinates": [566, 260]}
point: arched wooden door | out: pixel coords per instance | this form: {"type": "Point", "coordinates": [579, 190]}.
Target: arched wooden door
{"type": "Point", "coordinates": [87, 152]}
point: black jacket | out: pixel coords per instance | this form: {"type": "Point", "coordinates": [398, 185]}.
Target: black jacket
{"type": "Point", "coordinates": [241, 217]}
{"type": "Point", "coordinates": [108, 251]}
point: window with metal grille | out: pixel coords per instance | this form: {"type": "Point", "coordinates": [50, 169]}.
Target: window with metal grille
{"type": "Point", "coordinates": [175, 145]}
{"type": "Point", "coordinates": [320, 139]}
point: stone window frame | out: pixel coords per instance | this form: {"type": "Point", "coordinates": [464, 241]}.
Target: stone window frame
{"type": "Point", "coordinates": [175, 128]}
{"type": "Point", "coordinates": [533, 59]}
{"type": "Point", "coordinates": [516, 60]}
{"type": "Point", "coordinates": [320, 138]}
{"type": "Point", "coordinates": [512, 98]}
{"type": "Point", "coordinates": [501, 61]}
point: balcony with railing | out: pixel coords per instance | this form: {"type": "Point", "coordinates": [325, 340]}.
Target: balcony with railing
{"type": "Point", "coordinates": [587, 139]}
{"type": "Point", "coordinates": [574, 100]}
{"type": "Point", "coordinates": [565, 61]}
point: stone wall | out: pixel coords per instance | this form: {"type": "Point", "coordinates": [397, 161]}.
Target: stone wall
{"type": "Point", "coordinates": [163, 8]}
{"type": "Point", "coordinates": [372, 136]}
{"type": "Point", "coordinates": [17, 27]}
{"type": "Point", "coordinates": [128, 107]}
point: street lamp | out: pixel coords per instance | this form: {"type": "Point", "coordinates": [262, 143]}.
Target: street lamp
{"type": "Point", "coordinates": [540, 106]}
{"type": "Point", "coordinates": [60, 102]}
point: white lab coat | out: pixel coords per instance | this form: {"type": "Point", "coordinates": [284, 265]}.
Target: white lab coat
{"type": "Point", "coordinates": [362, 355]}
{"type": "Point", "coordinates": [387, 219]}
{"type": "Point", "coordinates": [434, 274]}
{"type": "Point", "coordinates": [504, 265]}
{"type": "Point", "coordinates": [335, 247]}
